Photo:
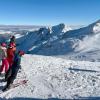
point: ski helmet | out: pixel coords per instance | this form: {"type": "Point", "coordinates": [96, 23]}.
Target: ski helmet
{"type": "Point", "coordinates": [20, 52]}
{"type": "Point", "coordinates": [3, 44]}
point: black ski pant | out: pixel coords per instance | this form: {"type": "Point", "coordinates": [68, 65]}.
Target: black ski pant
{"type": "Point", "coordinates": [12, 77]}
{"type": "Point", "coordinates": [8, 74]}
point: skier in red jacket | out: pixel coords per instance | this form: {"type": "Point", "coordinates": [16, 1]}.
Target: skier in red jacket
{"type": "Point", "coordinates": [10, 54]}
{"type": "Point", "coordinates": [12, 72]}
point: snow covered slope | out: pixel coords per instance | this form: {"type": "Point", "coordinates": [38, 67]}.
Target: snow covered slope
{"type": "Point", "coordinates": [50, 77]}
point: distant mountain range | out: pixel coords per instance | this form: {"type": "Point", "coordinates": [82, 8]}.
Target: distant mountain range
{"type": "Point", "coordinates": [61, 40]}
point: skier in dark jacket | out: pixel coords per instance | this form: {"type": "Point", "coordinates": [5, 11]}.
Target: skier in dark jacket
{"type": "Point", "coordinates": [12, 72]}
{"type": "Point", "coordinates": [12, 39]}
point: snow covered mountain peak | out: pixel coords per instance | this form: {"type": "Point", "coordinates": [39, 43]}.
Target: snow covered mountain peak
{"type": "Point", "coordinates": [61, 28]}
{"type": "Point", "coordinates": [61, 38]}
{"type": "Point", "coordinates": [96, 26]}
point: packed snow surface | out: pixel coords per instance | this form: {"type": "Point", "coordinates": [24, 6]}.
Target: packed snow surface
{"type": "Point", "coordinates": [50, 77]}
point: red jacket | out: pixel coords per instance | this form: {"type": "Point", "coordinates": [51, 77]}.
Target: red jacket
{"type": "Point", "coordinates": [10, 56]}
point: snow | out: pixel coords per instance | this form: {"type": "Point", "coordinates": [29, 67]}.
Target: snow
{"type": "Point", "coordinates": [60, 63]}
{"type": "Point", "coordinates": [88, 43]}
{"type": "Point", "coordinates": [96, 28]}
{"type": "Point", "coordinates": [50, 77]}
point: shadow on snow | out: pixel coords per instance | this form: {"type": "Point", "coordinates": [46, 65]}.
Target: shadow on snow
{"type": "Point", "coordinates": [76, 69]}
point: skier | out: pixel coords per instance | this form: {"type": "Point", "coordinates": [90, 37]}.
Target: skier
{"type": "Point", "coordinates": [3, 56]}
{"type": "Point", "coordinates": [12, 39]}
{"type": "Point", "coordinates": [14, 46]}
{"type": "Point", "coordinates": [10, 53]}
{"type": "Point", "coordinates": [12, 72]}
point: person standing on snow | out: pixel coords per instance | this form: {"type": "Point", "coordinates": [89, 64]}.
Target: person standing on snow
{"type": "Point", "coordinates": [10, 54]}
{"type": "Point", "coordinates": [12, 73]}
{"type": "Point", "coordinates": [3, 56]}
{"type": "Point", "coordinates": [13, 42]}
{"type": "Point", "coordinates": [12, 39]}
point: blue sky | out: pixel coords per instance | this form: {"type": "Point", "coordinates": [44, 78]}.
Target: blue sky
{"type": "Point", "coordinates": [49, 12]}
